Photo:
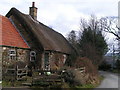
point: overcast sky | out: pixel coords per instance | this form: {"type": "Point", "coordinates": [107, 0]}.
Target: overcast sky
{"type": "Point", "coordinates": [63, 15]}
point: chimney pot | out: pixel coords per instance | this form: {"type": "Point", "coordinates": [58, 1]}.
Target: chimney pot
{"type": "Point", "coordinates": [33, 11]}
{"type": "Point", "coordinates": [33, 4]}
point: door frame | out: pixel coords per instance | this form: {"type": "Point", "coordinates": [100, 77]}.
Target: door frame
{"type": "Point", "coordinates": [47, 60]}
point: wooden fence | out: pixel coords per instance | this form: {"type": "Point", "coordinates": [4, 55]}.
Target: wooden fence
{"type": "Point", "coordinates": [81, 69]}
{"type": "Point", "coordinates": [17, 73]}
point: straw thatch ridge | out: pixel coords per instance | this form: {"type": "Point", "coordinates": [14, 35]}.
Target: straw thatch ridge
{"type": "Point", "coordinates": [44, 36]}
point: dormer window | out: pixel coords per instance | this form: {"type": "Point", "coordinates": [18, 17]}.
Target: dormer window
{"type": "Point", "coordinates": [12, 54]}
{"type": "Point", "coordinates": [32, 56]}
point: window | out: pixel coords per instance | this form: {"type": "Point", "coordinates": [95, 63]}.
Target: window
{"type": "Point", "coordinates": [12, 54]}
{"type": "Point", "coordinates": [32, 56]}
{"type": "Point", "coordinates": [65, 57]}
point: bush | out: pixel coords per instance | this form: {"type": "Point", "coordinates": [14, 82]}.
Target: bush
{"type": "Point", "coordinates": [118, 64]}
{"type": "Point", "coordinates": [104, 66]}
{"type": "Point", "coordinates": [87, 63]}
{"type": "Point", "coordinates": [73, 77]}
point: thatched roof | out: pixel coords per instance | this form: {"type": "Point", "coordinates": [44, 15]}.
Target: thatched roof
{"type": "Point", "coordinates": [45, 36]}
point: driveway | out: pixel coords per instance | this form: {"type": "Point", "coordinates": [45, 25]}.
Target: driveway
{"type": "Point", "coordinates": [111, 80]}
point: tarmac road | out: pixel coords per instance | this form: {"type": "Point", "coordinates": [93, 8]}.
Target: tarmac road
{"type": "Point", "coordinates": [111, 80]}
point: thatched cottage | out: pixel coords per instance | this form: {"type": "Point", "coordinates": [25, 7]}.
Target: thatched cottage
{"type": "Point", "coordinates": [26, 40]}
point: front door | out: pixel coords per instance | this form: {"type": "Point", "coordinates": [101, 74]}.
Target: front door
{"type": "Point", "coordinates": [46, 62]}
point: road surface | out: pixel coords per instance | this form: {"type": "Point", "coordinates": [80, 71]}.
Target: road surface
{"type": "Point", "coordinates": [110, 80]}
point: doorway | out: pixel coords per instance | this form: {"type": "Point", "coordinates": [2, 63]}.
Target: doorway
{"type": "Point", "coordinates": [46, 61]}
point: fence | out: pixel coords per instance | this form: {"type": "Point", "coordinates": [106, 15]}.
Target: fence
{"type": "Point", "coordinates": [15, 73]}
{"type": "Point", "coordinates": [81, 69]}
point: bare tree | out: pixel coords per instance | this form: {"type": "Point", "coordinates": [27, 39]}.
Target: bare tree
{"type": "Point", "coordinates": [109, 25]}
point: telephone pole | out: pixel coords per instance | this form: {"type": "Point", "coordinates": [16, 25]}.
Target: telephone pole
{"type": "Point", "coordinates": [113, 57]}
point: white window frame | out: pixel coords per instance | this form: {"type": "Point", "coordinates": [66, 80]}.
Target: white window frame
{"type": "Point", "coordinates": [32, 56]}
{"type": "Point", "coordinates": [65, 57]}
{"type": "Point", "coordinates": [12, 56]}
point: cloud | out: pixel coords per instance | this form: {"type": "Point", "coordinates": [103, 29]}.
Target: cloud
{"type": "Point", "coordinates": [63, 15]}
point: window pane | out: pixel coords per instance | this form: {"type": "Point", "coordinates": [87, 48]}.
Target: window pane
{"type": "Point", "coordinates": [12, 54]}
{"type": "Point", "coordinates": [32, 56]}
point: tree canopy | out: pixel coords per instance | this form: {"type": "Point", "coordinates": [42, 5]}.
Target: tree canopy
{"type": "Point", "coordinates": [90, 42]}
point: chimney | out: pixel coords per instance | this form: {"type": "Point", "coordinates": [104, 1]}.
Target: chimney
{"type": "Point", "coordinates": [33, 11]}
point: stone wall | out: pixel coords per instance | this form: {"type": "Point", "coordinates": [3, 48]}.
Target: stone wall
{"type": "Point", "coordinates": [10, 59]}
{"type": "Point", "coordinates": [56, 60]}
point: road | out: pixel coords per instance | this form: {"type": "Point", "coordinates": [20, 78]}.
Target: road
{"type": "Point", "coordinates": [110, 80]}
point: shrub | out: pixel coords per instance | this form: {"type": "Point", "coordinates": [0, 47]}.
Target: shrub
{"type": "Point", "coordinates": [104, 66]}
{"type": "Point", "coordinates": [89, 66]}
{"type": "Point", "coordinates": [72, 77]}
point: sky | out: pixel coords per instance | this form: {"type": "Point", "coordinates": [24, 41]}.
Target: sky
{"type": "Point", "coordinates": [64, 15]}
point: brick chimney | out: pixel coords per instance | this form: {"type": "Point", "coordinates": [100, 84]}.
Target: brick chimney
{"type": "Point", "coordinates": [33, 11]}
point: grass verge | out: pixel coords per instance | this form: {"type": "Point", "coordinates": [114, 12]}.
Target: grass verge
{"type": "Point", "coordinates": [101, 78]}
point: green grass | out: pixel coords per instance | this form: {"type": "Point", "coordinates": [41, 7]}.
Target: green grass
{"type": "Point", "coordinates": [101, 78]}
{"type": "Point", "coordinates": [116, 71]}
{"type": "Point", "coordinates": [64, 85]}
{"type": "Point", "coordinates": [6, 84]}
{"type": "Point", "coordinates": [14, 83]}
{"type": "Point", "coordinates": [11, 84]}
{"type": "Point", "coordinates": [86, 86]}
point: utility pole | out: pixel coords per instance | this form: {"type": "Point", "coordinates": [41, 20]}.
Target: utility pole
{"type": "Point", "coordinates": [113, 57]}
